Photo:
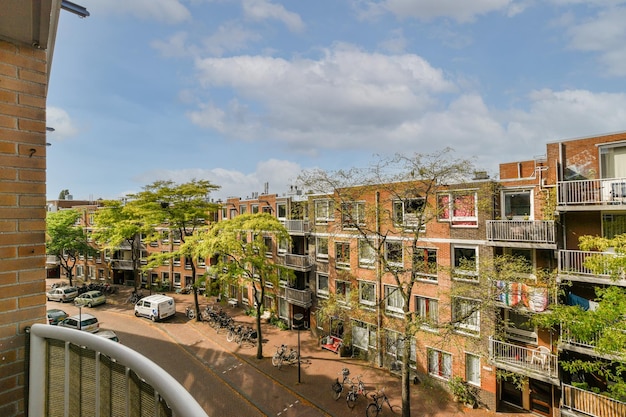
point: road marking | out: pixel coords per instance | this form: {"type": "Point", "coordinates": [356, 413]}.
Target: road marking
{"type": "Point", "coordinates": [232, 368]}
{"type": "Point", "coordinates": [288, 407]}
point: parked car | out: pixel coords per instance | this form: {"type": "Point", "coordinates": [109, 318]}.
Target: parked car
{"type": "Point", "coordinates": [84, 321]}
{"type": "Point", "coordinates": [156, 307]}
{"type": "Point", "coordinates": [90, 299]}
{"type": "Point", "coordinates": [108, 334]}
{"type": "Point", "coordinates": [62, 294]}
{"type": "Point", "coordinates": [56, 315]}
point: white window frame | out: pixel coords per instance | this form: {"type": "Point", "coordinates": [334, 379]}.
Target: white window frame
{"type": "Point", "coordinates": [510, 192]}
{"type": "Point", "coordinates": [465, 274]}
{"type": "Point", "coordinates": [342, 263]}
{"type": "Point", "coordinates": [319, 291]}
{"type": "Point", "coordinates": [365, 301]}
{"type": "Point", "coordinates": [342, 298]}
{"type": "Point", "coordinates": [425, 252]}
{"type": "Point", "coordinates": [177, 280]}
{"type": "Point", "coordinates": [516, 333]}
{"type": "Point", "coordinates": [438, 367]}
{"type": "Point", "coordinates": [409, 220]}
{"type": "Point", "coordinates": [447, 213]}
{"type": "Point", "coordinates": [281, 207]}
{"type": "Point", "coordinates": [427, 309]}
{"type": "Point", "coordinates": [394, 263]}
{"type": "Point", "coordinates": [321, 242]}
{"type": "Point", "coordinates": [367, 255]}
{"type": "Point", "coordinates": [471, 323]}
{"type": "Point", "coordinates": [352, 214]}
{"type": "Point", "coordinates": [472, 369]}
{"type": "Point", "coordinates": [392, 304]}
{"type": "Point", "coordinates": [324, 211]}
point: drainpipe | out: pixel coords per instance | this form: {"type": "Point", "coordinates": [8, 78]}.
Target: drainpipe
{"type": "Point", "coordinates": [379, 281]}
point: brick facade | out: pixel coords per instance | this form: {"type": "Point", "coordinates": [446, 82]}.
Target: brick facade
{"type": "Point", "coordinates": [23, 86]}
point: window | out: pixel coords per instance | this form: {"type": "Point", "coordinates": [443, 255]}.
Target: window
{"type": "Point", "coordinates": [165, 279]}
{"type": "Point", "coordinates": [439, 364]}
{"type": "Point", "coordinates": [267, 242]}
{"type": "Point", "coordinates": [165, 261]}
{"type": "Point", "coordinates": [427, 310]}
{"type": "Point", "coordinates": [367, 293]}
{"type": "Point", "coordinates": [91, 272]}
{"type": "Point", "coordinates": [177, 280]}
{"type": "Point", "coordinates": [80, 271]}
{"type": "Point", "coordinates": [394, 303]}
{"type": "Point", "coordinates": [321, 248]}
{"type": "Point", "coordinates": [283, 246]}
{"type": "Point", "coordinates": [242, 209]}
{"type": "Point", "coordinates": [281, 211]}
{"type": "Point", "coordinates": [407, 213]}
{"type": "Point", "coordinates": [613, 224]}
{"type": "Point", "coordinates": [254, 209]}
{"type": "Point", "coordinates": [518, 327]}
{"type": "Point", "coordinates": [466, 314]}
{"type": "Point", "coordinates": [472, 369]}
{"type": "Point", "coordinates": [367, 255]}
{"type": "Point", "coordinates": [458, 208]}
{"type": "Point", "coordinates": [165, 237]}
{"type": "Point", "coordinates": [394, 254]}
{"type": "Point", "coordinates": [101, 273]}
{"type": "Point", "coordinates": [176, 236]}
{"type": "Point", "coordinates": [342, 291]}
{"type": "Point", "coordinates": [233, 290]}
{"type": "Point", "coordinates": [187, 262]}
{"type": "Point", "coordinates": [177, 260]}
{"type": "Point", "coordinates": [201, 261]}
{"type": "Point", "coordinates": [324, 211]}
{"type": "Point", "coordinates": [342, 255]}
{"type": "Point", "coordinates": [352, 214]}
{"type": "Point", "coordinates": [517, 205]}
{"type": "Point", "coordinates": [322, 285]}
{"type": "Point", "coordinates": [232, 213]}
{"type": "Point", "coordinates": [425, 263]}
{"type": "Point", "coordinates": [465, 262]}
{"type": "Point", "coordinates": [613, 161]}
{"type": "Point", "coordinates": [283, 309]}
{"type": "Point", "coordinates": [363, 335]}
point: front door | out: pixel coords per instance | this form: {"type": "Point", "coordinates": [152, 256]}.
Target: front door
{"type": "Point", "coordinates": [540, 397]}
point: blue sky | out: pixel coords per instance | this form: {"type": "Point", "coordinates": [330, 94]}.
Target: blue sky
{"type": "Point", "coordinates": [248, 92]}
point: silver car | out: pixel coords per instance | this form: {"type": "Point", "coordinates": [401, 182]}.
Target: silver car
{"type": "Point", "coordinates": [62, 294]}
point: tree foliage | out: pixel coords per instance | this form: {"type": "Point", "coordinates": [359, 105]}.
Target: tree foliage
{"type": "Point", "coordinates": [240, 248]}
{"type": "Point", "coordinates": [66, 240]}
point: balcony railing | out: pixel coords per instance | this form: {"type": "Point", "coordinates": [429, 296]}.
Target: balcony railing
{"type": "Point", "coordinates": [538, 360]}
{"type": "Point", "coordinates": [590, 403]}
{"type": "Point", "coordinates": [592, 192]}
{"type": "Point", "coordinates": [297, 226]}
{"type": "Point", "coordinates": [532, 231]}
{"type": "Point", "coordinates": [125, 264]}
{"type": "Point", "coordinates": [568, 338]}
{"type": "Point", "coordinates": [301, 262]}
{"type": "Point", "coordinates": [302, 298]}
{"type": "Point", "coordinates": [572, 263]}
{"type": "Point", "coordinates": [74, 373]}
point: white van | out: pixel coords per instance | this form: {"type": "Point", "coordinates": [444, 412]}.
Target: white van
{"type": "Point", "coordinates": [156, 307]}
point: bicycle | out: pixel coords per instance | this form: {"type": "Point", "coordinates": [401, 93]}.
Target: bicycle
{"type": "Point", "coordinates": [282, 356]}
{"type": "Point", "coordinates": [190, 312]}
{"type": "Point", "coordinates": [337, 387]}
{"type": "Point", "coordinates": [357, 390]}
{"type": "Point", "coordinates": [378, 400]}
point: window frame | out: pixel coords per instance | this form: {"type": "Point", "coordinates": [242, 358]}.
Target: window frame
{"type": "Point", "coordinates": [366, 301]}
{"type": "Point", "coordinates": [389, 308]}
{"type": "Point", "coordinates": [322, 293]}
{"type": "Point", "coordinates": [448, 205]}
{"type": "Point", "coordinates": [426, 275]}
{"type": "Point", "coordinates": [472, 370]}
{"type": "Point", "coordinates": [397, 264]}
{"type": "Point", "coordinates": [369, 260]}
{"type": "Point", "coordinates": [424, 310]}
{"type": "Point", "coordinates": [351, 211]}
{"type": "Point", "coordinates": [401, 216]}
{"type": "Point", "coordinates": [324, 215]}
{"type": "Point", "coordinates": [342, 255]}
{"type": "Point", "coordinates": [321, 242]}
{"type": "Point", "coordinates": [443, 370]}
{"type": "Point", "coordinates": [464, 274]}
{"type": "Point", "coordinates": [470, 324]}
{"type": "Point", "coordinates": [342, 297]}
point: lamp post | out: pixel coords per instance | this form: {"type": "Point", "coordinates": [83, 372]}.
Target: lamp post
{"type": "Point", "coordinates": [80, 316]}
{"type": "Point", "coordinates": [298, 317]}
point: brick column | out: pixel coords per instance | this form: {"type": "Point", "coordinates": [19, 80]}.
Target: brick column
{"type": "Point", "coordinates": [23, 87]}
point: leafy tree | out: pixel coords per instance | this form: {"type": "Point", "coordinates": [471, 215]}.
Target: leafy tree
{"type": "Point", "coordinates": [604, 327]}
{"type": "Point", "coordinates": [119, 222]}
{"type": "Point", "coordinates": [240, 249]}
{"type": "Point", "coordinates": [400, 182]}
{"type": "Point", "coordinates": [183, 209]}
{"type": "Point", "coordinates": [66, 240]}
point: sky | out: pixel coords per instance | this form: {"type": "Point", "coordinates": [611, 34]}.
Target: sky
{"type": "Point", "coordinates": [249, 93]}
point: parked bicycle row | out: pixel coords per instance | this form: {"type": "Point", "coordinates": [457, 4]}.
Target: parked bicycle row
{"type": "Point", "coordinates": [356, 389]}
{"type": "Point", "coordinates": [221, 321]}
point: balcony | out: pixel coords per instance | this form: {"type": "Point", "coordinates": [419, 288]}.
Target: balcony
{"type": "Point", "coordinates": [572, 268]}
{"type": "Point", "coordinates": [537, 362]}
{"type": "Point", "coordinates": [585, 345]}
{"type": "Point", "coordinates": [579, 402]}
{"type": "Point", "coordinates": [77, 373]}
{"type": "Point", "coordinates": [302, 298]}
{"type": "Point", "coordinates": [600, 194]}
{"type": "Point", "coordinates": [125, 264]}
{"type": "Point", "coordinates": [539, 233]}
{"type": "Point", "coordinates": [297, 226]}
{"type": "Point", "coordinates": [298, 262]}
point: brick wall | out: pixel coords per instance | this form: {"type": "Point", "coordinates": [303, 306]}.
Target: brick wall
{"type": "Point", "coordinates": [23, 82]}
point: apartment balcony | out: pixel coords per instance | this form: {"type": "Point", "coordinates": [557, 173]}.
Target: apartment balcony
{"type": "Point", "coordinates": [572, 268]}
{"type": "Point", "coordinates": [297, 226]}
{"type": "Point", "coordinates": [298, 262]}
{"type": "Point", "coordinates": [585, 345]}
{"type": "Point", "coordinates": [537, 362]}
{"type": "Point", "coordinates": [76, 373]}
{"type": "Point", "coordinates": [600, 194]}
{"type": "Point", "coordinates": [302, 298]}
{"type": "Point", "coordinates": [579, 402]}
{"type": "Point", "coordinates": [125, 264]}
{"type": "Point", "coordinates": [521, 295]}
{"type": "Point", "coordinates": [522, 233]}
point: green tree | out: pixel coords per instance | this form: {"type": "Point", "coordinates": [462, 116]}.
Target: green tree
{"type": "Point", "coordinates": [182, 209]}
{"type": "Point", "coordinates": [240, 249]}
{"type": "Point", "coordinates": [604, 327]}
{"type": "Point", "coordinates": [409, 185]}
{"type": "Point", "coordinates": [66, 240]}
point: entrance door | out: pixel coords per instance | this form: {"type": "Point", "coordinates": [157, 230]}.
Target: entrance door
{"type": "Point", "coordinates": [540, 397]}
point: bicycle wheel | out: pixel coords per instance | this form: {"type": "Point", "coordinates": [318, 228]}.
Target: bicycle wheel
{"type": "Point", "coordinates": [337, 391]}
{"type": "Point", "coordinates": [230, 336]}
{"type": "Point", "coordinates": [396, 410]}
{"type": "Point", "coordinates": [276, 360]}
{"type": "Point", "coordinates": [372, 410]}
{"type": "Point", "coordinates": [351, 399]}
{"type": "Point", "coordinates": [293, 356]}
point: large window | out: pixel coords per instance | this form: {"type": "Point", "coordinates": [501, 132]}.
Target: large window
{"type": "Point", "coordinates": [367, 293]}
{"type": "Point", "coordinates": [472, 369]}
{"type": "Point", "coordinates": [322, 285]}
{"type": "Point", "coordinates": [281, 211]}
{"type": "Point", "coordinates": [518, 327]}
{"type": "Point", "coordinates": [342, 291]}
{"type": "Point", "coordinates": [324, 211]}
{"type": "Point", "coordinates": [466, 314]}
{"type": "Point", "coordinates": [517, 205]}
{"type": "Point", "coordinates": [458, 208]}
{"type": "Point", "coordinates": [363, 335]}
{"type": "Point", "coordinates": [394, 254]}
{"type": "Point", "coordinates": [465, 262]}
{"type": "Point", "coordinates": [407, 213]}
{"type": "Point", "coordinates": [342, 255]}
{"type": "Point", "coordinates": [439, 363]}
{"type": "Point", "coordinates": [394, 303]}
{"type": "Point", "coordinates": [425, 262]}
{"type": "Point", "coordinates": [613, 224]}
{"type": "Point", "coordinates": [321, 248]}
{"type": "Point", "coordinates": [367, 255]}
{"type": "Point", "coordinates": [427, 310]}
{"type": "Point", "coordinates": [352, 214]}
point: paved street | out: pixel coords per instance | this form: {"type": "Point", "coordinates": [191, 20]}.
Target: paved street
{"type": "Point", "coordinates": [228, 380]}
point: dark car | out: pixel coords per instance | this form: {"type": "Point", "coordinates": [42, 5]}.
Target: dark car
{"type": "Point", "coordinates": [56, 315]}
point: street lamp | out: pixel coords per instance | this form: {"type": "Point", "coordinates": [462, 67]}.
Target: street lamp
{"type": "Point", "coordinates": [298, 318]}
{"type": "Point", "coordinates": [80, 316]}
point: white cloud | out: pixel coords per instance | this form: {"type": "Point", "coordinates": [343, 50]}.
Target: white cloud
{"type": "Point", "coordinates": [263, 9]}
{"type": "Point", "coordinates": [173, 47]}
{"type": "Point", "coordinates": [166, 11]}
{"type": "Point", "coordinates": [229, 37]}
{"type": "Point", "coordinates": [60, 121]}
{"type": "Point", "coordinates": [461, 11]}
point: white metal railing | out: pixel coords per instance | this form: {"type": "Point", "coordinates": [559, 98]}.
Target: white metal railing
{"type": "Point", "coordinates": [531, 359]}
{"type": "Point", "coordinates": [572, 262]}
{"type": "Point", "coordinates": [536, 231]}
{"type": "Point", "coordinates": [301, 297]}
{"type": "Point", "coordinates": [298, 261]}
{"type": "Point", "coordinates": [590, 403]}
{"type": "Point", "coordinates": [600, 191]}
{"type": "Point", "coordinates": [70, 370]}
{"type": "Point", "coordinates": [301, 226]}
{"type": "Point", "coordinates": [569, 338]}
